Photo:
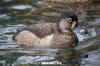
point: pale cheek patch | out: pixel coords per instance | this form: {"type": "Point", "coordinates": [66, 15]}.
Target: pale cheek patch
{"type": "Point", "coordinates": [28, 38]}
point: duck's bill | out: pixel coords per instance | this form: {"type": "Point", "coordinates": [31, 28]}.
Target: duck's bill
{"type": "Point", "coordinates": [78, 28]}
{"type": "Point", "coordinates": [81, 30]}
{"type": "Point", "coordinates": [73, 24]}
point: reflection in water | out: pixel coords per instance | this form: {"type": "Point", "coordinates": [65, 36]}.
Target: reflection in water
{"type": "Point", "coordinates": [47, 56]}
{"type": "Point", "coordinates": [21, 7]}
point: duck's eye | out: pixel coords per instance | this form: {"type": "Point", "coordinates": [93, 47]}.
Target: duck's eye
{"type": "Point", "coordinates": [69, 19]}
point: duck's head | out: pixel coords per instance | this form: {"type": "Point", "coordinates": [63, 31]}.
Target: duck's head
{"type": "Point", "coordinates": [67, 21]}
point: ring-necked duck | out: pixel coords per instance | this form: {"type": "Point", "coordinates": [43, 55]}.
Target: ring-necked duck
{"type": "Point", "coordinates": [50, 34]}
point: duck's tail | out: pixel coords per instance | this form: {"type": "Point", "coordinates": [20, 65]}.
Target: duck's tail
{"type": "Point", "coordinates": [18, 31]}
{"type": "Point", "coordinates": [13, 37]}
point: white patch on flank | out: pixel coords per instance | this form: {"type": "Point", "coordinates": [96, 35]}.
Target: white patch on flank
{"type": "Point", "coordinates": [46, 41]}
{"type": "Point", "coordinates": [28, 38]}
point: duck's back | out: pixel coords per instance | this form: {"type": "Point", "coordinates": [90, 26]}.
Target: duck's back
{"type": "Point", "coordinates": [42, 30]}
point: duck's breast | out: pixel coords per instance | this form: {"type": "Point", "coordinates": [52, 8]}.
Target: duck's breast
{"type": "Point", "coordinates": [64, 39]}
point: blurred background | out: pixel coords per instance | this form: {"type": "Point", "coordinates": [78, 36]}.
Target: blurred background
{"type": "Point", "coordinates": [19, 13]}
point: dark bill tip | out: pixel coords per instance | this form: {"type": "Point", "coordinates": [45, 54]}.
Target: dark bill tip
{"type": "Point", "coordinates": [81, 30]}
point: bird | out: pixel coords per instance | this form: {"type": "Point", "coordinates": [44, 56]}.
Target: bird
{"type": "Point", "coordinates": [58, 34]}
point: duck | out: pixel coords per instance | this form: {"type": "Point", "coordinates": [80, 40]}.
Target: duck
{"type": "Point", "coordinates": [58, 34]}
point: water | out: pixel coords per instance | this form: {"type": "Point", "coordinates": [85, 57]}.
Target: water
{"type": "Point", "coordinates": [16, 14]}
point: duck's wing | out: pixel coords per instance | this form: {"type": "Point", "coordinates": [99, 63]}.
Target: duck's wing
{"type": "Point", "coordinates": [41, 30]}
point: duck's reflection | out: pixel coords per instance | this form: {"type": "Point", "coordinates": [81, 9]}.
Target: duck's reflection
{"type": "Point", "coordinates": [47, 56]}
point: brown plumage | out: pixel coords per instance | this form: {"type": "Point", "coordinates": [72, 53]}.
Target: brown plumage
{"type": "Point", "coordinates": [49, 34]}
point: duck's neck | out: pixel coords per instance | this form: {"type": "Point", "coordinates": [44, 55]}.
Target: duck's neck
{"type": "Point", "coordinates": [64, 27]}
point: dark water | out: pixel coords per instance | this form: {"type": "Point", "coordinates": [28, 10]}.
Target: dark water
{"type": "Point", "coordinates": [15, 14]}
